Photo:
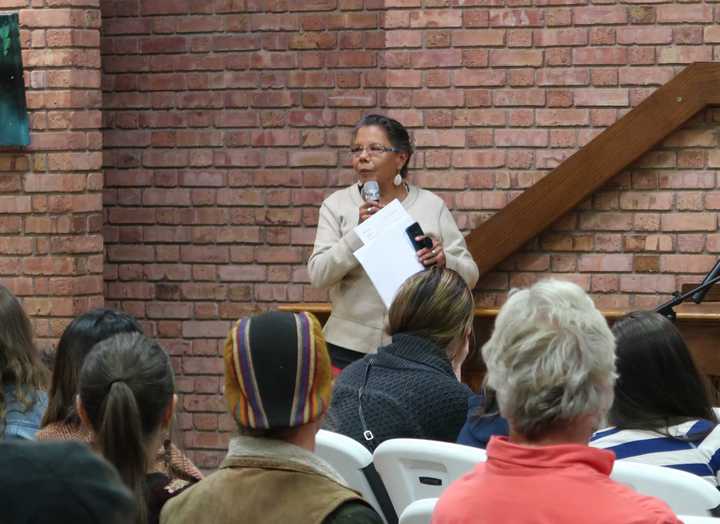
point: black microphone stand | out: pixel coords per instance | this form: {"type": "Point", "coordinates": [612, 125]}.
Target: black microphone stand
{"type": "Point", "coordinates": [667, 310]}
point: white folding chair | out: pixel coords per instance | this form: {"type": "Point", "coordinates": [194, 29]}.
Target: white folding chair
{"type": "Point", "coordinates": [687, 519]}
{"type": "Point", "coordinates": [414, 469]}
{"type": "Point", "coordinates": [418, 512]}
{"type": "Point", "coordinates": [685, 493]}
{"type": "Point", "coordinates": [354, 463]}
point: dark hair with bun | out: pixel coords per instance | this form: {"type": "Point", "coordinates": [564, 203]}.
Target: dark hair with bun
{"type": "Point", "coordinates": [396, 133]}
{"type": "Point", "coordinates": [75, 343]}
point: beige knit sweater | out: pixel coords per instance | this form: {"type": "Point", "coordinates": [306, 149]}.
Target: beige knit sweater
{"type": "Point", "coordinates": [358, 313]}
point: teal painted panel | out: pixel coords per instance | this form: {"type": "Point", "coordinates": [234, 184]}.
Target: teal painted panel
{"type": "Point", "coordinates": [14, 128]}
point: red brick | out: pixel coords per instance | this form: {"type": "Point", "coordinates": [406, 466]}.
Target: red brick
{"type": "Point", "coordinates": [519, 97]}
{"type": "Point", "coordinates": [480, 117]}
{"type": "Point", "coordinates": [516, 17]}
{"type": "Point", "coordinates": [644, 35]}
{"type": "Point", "coordinates": [438, 98]}
{"type": "Point", "coordinates": [645, 75]}
{"type": "Point", "coordinates": [476, 58]}
{"type": "Point", "coordinates": [689, 13]}
{"type": "Point", "coordinates": [560, 37]}
{"type": "Point", "coordinates": [436, 18]}
{"type": "Point", "coordinates": [600, 56]}
{"type": "Point", "coordinates": [562, 77]}
{"type": "Point", "coordinates": [514, 58]}
{"type": "Point", "coordinates": [449, 138]}
{"type": "Point", "coordinates": [711, 34]}
{"type": "Point", "coordinates": [206, 329]}
{"type": "Point", "coordinates": [606, 263]}
{"type": "Point", "coordinates": [486, 77]}
{"type": "Point", "coordinates": [600, 15]}
{"type": "Point", "coordinates": [433, 58]}
{"type": "Point", "coordinates": [692, 138]}
{"type": "Point", "coordinates": [521, 137]}
{"type": "Point", "coordinates": [647, 283]}
{"type": "Point", "coordinates": [601, 97]}
{"type": "Point", "coordinates": [473, 38]}
{"type": "Point", "coordinates": [688, 222]}
{"type": "Point", "coordinates": [683, 54]}
{"type": "Point", "coordinates": [487, 158]}
{"type": "Point", "coordinates": [562, 117]}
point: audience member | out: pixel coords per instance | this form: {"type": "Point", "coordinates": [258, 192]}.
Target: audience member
{"type": "Point", "coordinates": [61, 422]}
{"type": "Point", "coordinates": [60, 483]}
{"type": "Point", "coordinates": [411, 387]}
{"type": "Point", "coordinates": [126, 395]}
{"type": "Point", "coordinates": [277, 385]}
{"type": "Point", "coordinates": [483, 421]}
{"type": "Point", "coordinates": [551, 362]}
{"type": "Point", "coordinates": [23, 377]}
{"type": "Point", "coordinates": [662, 413]}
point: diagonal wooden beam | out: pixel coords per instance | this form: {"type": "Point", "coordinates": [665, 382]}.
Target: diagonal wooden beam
{"type": "Point", "coordinates": [697, 86]}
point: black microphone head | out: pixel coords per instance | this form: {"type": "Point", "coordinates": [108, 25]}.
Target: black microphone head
{"type": "Point", "coordinates": [699, 296]}
{"type": "Point", "coordinates": [371, 191]}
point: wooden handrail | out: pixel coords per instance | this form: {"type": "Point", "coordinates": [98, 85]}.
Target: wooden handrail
{"type": "Point", "coordinates": [691, 312]}
{"type": "Point", "coordinates": [697, 86]}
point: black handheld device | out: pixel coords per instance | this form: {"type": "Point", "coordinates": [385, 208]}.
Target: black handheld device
{"type": "Point", "coordinates": [414, 230]}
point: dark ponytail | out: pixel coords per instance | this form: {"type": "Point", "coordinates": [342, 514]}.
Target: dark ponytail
{"type": "Point", "coordinates": [126, 384]}
{"type": "Point", "coordinates": [121, 441]}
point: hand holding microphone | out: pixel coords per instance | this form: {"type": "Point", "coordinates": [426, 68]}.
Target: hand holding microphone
{"type": "Point", "coordinates": [371, 195]}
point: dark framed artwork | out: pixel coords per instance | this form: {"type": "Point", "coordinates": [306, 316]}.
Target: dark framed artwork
{"type": "Point", "coordinates": [14, 129]}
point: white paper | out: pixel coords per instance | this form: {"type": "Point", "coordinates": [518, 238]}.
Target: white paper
{"type": "Point", "coordinates": [391, 216]}
{"type": "Point", "coordinates": [388, 256]}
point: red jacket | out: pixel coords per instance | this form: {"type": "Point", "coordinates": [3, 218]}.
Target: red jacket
{"type": "Point", "coordinates": [568, 483]}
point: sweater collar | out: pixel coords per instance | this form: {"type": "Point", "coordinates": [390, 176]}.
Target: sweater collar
{"type": "Point", "coordinates": [418, 349]}
{"type": "Point", "coordinates": [268, 452]}
{"type": "Point", "coordinates": [503, 454]}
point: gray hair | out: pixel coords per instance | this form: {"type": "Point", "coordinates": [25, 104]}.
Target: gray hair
{"type": "Point", "coordinates": [551, 358]}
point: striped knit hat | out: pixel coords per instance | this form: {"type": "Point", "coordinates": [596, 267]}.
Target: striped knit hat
{"type": "Point", "coordinates": [277, 370]}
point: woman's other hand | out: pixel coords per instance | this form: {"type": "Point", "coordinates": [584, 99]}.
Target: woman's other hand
{"type": "Point", "coordinates": [431, 257]}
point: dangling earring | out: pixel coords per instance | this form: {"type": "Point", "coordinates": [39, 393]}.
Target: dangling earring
{"type": "Point", "coordinates": [397, 180]}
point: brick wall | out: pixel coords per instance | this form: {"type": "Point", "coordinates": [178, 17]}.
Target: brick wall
{"type": "Point", "coordinates": [226, 123]}
{"type": "Point", "coordinates": [51, 245]}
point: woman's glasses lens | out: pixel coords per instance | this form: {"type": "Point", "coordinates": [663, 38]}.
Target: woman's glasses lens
{"type": "Point", "coordinates": [372, 150]}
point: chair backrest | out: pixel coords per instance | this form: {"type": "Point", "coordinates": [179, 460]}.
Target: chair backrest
{"type": "Point", "coordinates": [685, 493]}
{"type": "Point", "coordinates": [349, 458]}
{"type": "Point", "coordinates": [414, 469]}
{"type": "Point", "coordinates": [418, 512]}
{"type": "Point", "coordinates": [688, 519]}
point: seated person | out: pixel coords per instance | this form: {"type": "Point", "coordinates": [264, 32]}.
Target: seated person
{"type": "Point", "coordinates": [60, 483]}
{"type": "Point", "coordinates": [551, 362]}
{"type": "Point", "coordinates": [411, 387]}
{"type": "Point", "coordinates": [277, 385]}
{"type": "Point", "coordinates": [662, 413]}
{"type": "Point", "coordinates": [23, 376]}
{"type": "Point", "coordinates": [61, 421]}
{"type": "Point", "coordinates": [483, 421]}
{"type": "Point", "coordinates": [126, 395]}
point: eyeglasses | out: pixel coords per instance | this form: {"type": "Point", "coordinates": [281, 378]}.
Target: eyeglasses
{"type": "Point", "coordinates": [372, 150]}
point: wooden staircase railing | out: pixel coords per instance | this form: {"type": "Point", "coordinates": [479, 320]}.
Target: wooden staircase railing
{"type": "Point", "coordinates": [696, 87]}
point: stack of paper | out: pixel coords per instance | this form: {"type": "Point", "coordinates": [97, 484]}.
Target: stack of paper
{"type": "Point", "coordinates": [387, 255]}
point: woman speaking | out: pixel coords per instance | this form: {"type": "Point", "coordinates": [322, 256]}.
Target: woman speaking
{"type": "Point", "coordinates": [381, 151]}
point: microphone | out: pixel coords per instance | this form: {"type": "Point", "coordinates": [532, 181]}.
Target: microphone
{"type": "Point", "coordinates": [714, 272]}
{"type": "Point", "coordinates": [371, 191]}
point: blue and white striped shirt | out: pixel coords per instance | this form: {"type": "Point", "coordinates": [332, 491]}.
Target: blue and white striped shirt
{"type": "Point", "coordinates": [689, 452]}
